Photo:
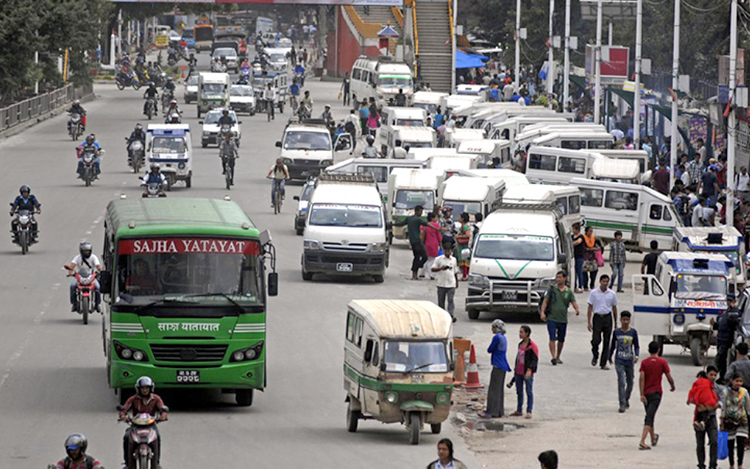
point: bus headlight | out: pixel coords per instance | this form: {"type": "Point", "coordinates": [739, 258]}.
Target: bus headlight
{"type": "Point", "coordinates": [247, 354]}
{"type": "Point", "coordinates": [129, 353]}
{"type": "Point", "coordinates": [326, 163]}
{"type": "Point", "coordinates": [287, 160]}
{"type": "Point", "coordinates": [546, 282]}
{"type": "Point", "coordinates": [443, 398]}
{"type": "Point", "coordinates": [138, 356]}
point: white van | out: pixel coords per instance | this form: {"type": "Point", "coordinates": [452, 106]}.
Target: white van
{"type": "Point", "coordinates": [482, 91]}
{"type": "Point", "coordinates": [380, 78]}
{"type": "Point", "coordinates": [213, 91]}
{"type": "Point", "coordinates": [412, 137]}
{"type": "Point", "coordinates": [639, 212]}
{"type": "Point", "coordinates": [424, 154]}
{"type": "Point", "coordinates": [454, 137]}
{"type": "Point", "coordinates": [558, 166]}
{"type": "Point", "coordinates": [379, 168]}
{"type": "Point", "coordinates": [454, 101]}
{"type": "Point", "coordinates": [509, 128]}
{"type": "Point", "coordinates": [511, 177]}
{"type": "Point", "coordinates": [515, 258]}
{"type": "Point", "coordinates": [638, 155]}
{"type": "Point", "coordinates": [609, 169]}
{"type": "Point", "coordinates": [496, 152]}
{"type": "Point", "coordinates": [345, 229]}
{"type": "Point", "coordinates": [391, 116]}
{"type": "Point", "coordinates": [567, 199]}
{"type": "Point", "coordinates": [408, 188]}
{"type": "Point", "coordinates": [277, 60]}
{"type": "Point", "coordinates": [451, 164]}
{"type": "Point", "coordinates": [524, 139]}
{"type": "Point", "coordinates": [427, 100]}
{"type": "Point", "coordinates": [171, 146]}
{"type": "Point", "coordinates": [578, 140]}
{"type": "Point", "coordinates": [719, 240]}
{"type": "Point", "coordinates": [306, 148]}
{"type": "Point", "coordinates": [471, 195]}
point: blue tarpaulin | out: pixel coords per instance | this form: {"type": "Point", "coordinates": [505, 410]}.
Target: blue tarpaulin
{"type": "Point", "coordinates": [464, 60]}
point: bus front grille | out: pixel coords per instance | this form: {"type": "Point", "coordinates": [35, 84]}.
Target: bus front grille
{"type": "Point", "coordinates": [189, 353]}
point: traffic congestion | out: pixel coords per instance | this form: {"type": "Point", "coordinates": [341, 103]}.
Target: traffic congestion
{"type": "Point", "coordinates": [497, 277]}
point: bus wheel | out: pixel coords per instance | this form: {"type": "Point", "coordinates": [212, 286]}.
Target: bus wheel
{"type": "Point", "coordinates": [244, 397]}
{"type": "Point", "coordinates": [473, 313]}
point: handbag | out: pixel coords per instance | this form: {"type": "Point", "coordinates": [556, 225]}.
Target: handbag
{"type": "Point", "coordinates": [590, 266]}
{"type": "Point", "coordinates": [722, 450]}
{"type": "Point", "coordinates": [599, 258]}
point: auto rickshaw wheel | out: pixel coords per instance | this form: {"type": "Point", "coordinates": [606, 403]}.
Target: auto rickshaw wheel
{"type": "Point", "coordinates": [414, 428]}
{"type": "Point", "coordinates": [697, 352]}
{"type": "Point", "coordinates": [435, 427]}
{"type": "Point", "coordinates": [352, 418]}
{"type": "Point", "coordinates": [473, 313]}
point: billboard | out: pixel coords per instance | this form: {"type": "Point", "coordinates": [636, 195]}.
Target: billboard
{"type": "Point", "coordinates": [616, 68]}
{"type": "Point", "coordinates": [389, 3]}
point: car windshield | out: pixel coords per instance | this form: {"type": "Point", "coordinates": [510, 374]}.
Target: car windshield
{"type": "Point", "coordinates": [408, 199]}
{"type": "Point", "coordinates": [213, 89]}
{"type": "Point", "coordinates": [192, 80]}
{"type": "Point", "coordinates": [225, 52]}
{"type": "Point", "coordinates": [179, 270]}
{"type": "Point", "coordinates": [410, 122]}
{"type": "Point", "coordinates": [278, 58]}
{"type": "Point", "coordinates": [472, 208]}
{"type": "Point", "coordinates": [259, 83]}
{"type": "Point", "coordinates": [168, 145]}
{"type": "Point", "coordinates": [213, 117]}
{"type": "Point", "coordinates": [187, 33]}
{"type": "Point", "coordinates": [360, 216]}
{"type": "Point", "coordinates": [241, 90]}
{"type": "Point", "coordinates": [515, 247]}
{"type": "Point", "coordinates": [701, 287]}
{"type": "Point", "coordinates": [309, 141]}
{"type": "Point", "coordinates": [395, 81]}
{"type": "Point", "coordinates": [422, 357]}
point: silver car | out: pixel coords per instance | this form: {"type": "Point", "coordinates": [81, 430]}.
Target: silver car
{"type": "Point", "coordinates": [229, 55]}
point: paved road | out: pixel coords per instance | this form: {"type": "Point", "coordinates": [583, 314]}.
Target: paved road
{"type": "Point", "coordinates": [52, 374]}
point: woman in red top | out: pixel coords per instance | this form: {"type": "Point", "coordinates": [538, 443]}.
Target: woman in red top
{"type": "Point", "coordinates": [432, 240]}
{"type": "Point", "coordinates": [527, 360]}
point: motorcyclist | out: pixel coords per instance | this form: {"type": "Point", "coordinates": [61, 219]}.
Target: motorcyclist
{"type": "Point", "coordinates": [88, 144]}
{"type": "Point", "coordinates": [226, 119]}
{"type": "Point", "coordinates": [279, 173]}
{"type": "Point", "coordinates": [328, 117]}
{"type": "Point", "coordinates": [302, 111]}
{"type": "Point", "coordinates": [169, 86]}
{"type": "Point", "coordinates": [308, 101]}
{"type": "Point", "coordinates": [173, 109]}
{"type": "Point", "coordinates": [137, 134]}
{"type": "Point", "coordinates": [144, 401]}
{"type": "Point", "coordinates": [85, 259]}
{"type": "Point", "coordinates": [228, 152]}
{"type": "Point", "coordinates": [299, 71]}
{"type": "Point", "coordinates": [151, 93]}
{"type": "Point", "coordinates": [76, 108]}
{"type": "Point", "coordinates": [75, 448]}
{"type": "Point", "coordinates": [154, 176]}
{"type": "Point", "coordinates": [370, 151]}
{"type": "Point", "coordinates": [173, 118]}
{"type": "Point", "coordinates": [294, 92]}
{"type": "Point", "coordinates": [25, 201]}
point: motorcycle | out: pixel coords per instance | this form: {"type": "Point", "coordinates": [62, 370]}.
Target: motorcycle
{"type": "Point", "coordinates": [154, 190]}
{"type": "Point", "coordinates": [85, 292]}
{"type": "Point", "coordinates": [143, 441]}
{"type": "Point", "coordinates": [150, 107]}
{"type": "Point", "coordinates": [166, 97]}
{"type": "Point", "coordinates": [75, 126]}
{"type": "Point", "coordinates": [24, 234]}
{"type": "Point", "coordinates": [123, 80]}
{"type": "Point", "coordinates": [89, 166]}
{"type": "Point", "coordinates": [172, 57]}
{"type": "Point", "coordinates": [136, 155]}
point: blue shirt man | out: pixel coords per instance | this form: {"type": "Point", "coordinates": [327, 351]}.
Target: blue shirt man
{"type": "Point", "coordinates": [294, 89]}
{"type": "Point", "coordinates": [625, 349]}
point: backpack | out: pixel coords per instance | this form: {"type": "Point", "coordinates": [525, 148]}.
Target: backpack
{"type": "Point", "coordinates": [551, 292]}
{"type": "Point", "coordinates": [89, 462]}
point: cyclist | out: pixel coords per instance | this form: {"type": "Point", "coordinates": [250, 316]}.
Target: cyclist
{"type": "Point", "coordinates": [228, 153]}
{"type": "Point", "coordinates": [279, 173]}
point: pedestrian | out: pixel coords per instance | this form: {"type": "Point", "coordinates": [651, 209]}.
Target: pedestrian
{"type": "Point", "coordinates": [345, 84]}
{"type": "Point", "coordinates": [649, 383]}
{"type": "Point", "coordinates": [413, 224]}
{"type": "Point", "coordinates": [445, 268]}
{"type": "Point", "coordinates": [603, 307]}
{"type": "Point", "coordinates": [709, 184]}
{"type": "Point", "coordinates": [578, 257]}
{"type": "Point", "coordinates": [703, 395]}
{"type": "Point", "coordinates": [304, 57]}
{"type": "Point", "coordinates": [548, 460]}
{"type": "Point", "coordinates": [591, 246]}
{"type": "Point", "coordinates": [364, 115]}
{"type": "Point", "coordinates": [439, 117]}
{"type": "Point", "coordinates": [648, 266]}
{"type": "Point", "coordinates": [742, 184]}
{"type": "Point", "coordinates": [446, 225]}
{"type": "Point", "coordinates": [445, 459]}
{"type": "Point", "coordinates": [617, 260]}
{"type": "Point", "coordinates": [726, 326]}
{"type": "Point", "coordinates": [660, 178]}
{"type": "Point", "coordinates": [625, 349]}
{"type": "Point", "coordinates": [527, 361]}
{"type": "Point", "coordinates": [735, 405]}
{"type": "Point", "coordinates": [463, 239]}
{"type": "Point", "coordinates": [740, 365]}
{"type": "Point", "coordinates": [496, 391]}
{"type": "Point", "coordinates": [373, 120]}
{"type": "Point", "coordinates": [554, 310]}
{"type": "Point", "coordinates": [432, 240]}
{"type": "Point", "coordinates": [701, 151]}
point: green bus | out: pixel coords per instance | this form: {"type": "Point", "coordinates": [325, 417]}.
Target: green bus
{"type": "Point", "coordinates": [184, 286]}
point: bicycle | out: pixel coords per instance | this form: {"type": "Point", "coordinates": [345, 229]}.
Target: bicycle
{"type": "Point", "coordinates": [293, 103]}
{"type": "Point", "coordinates": [277, 199]}
{"type": "Point", "coordinates": [229, 171]}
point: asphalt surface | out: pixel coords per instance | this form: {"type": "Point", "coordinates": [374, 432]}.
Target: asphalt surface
{"type": "Point", "coordinates": [52, 369]}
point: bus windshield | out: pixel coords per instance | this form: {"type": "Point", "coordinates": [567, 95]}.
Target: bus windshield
{"type": "Point", "coordinates": [356, 216]}
{"type": "Point", "coordinates": [701, 287]}
{"type": "Point", "coordinates": [182, 270]}
{"type": "Point", "coordinates": [214, 89]}
{"type": "Point", "coordinates": [457, 208]}
{"type": "Point", "coordinates": [204, 33]}
{"type": "Point", "coordinates": [424, 357]}
{"type": "Point", "coordinates": [515, 247]}
{"type": "Point", "coordinates": [408, 199]}
{"type": "Point", "coordinates": [410, 122]}
{"type": "Point", "coordinates": [395, 81]}
{"type": "Point", "coordinates": [168, 145]}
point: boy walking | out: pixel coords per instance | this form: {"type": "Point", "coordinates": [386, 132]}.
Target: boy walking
{"type": "Point", "coordinates": [446, 276]}
{"type": "Point", "coordinates": [555, 312]}
{"type": "Point", "coordinates": [649, 382]}
{"type": "Point", "coordinates": [625, 349]}
{"type": "Point", "coordinates": [617, 260]}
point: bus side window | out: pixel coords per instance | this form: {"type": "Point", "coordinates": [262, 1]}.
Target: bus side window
{"type": "Point", "coordinates": [356, 74]}
{"type": "Point", "coordinates": [368, 350]}
{"type": "Point", "coordinates": [574, 201]}
{"type": "Point", "coordinates": [351, 321]}
{"type": "Point", "coordinates": [592, 197]}
{"type": "Point", "coordinates": [358, 333]}
{"type": "Point", "coordinates": [655, 212]}
{"type": "Point", "coordinates": [667, 215]}
{"type": "Point", "coordinates": [543, 162]}
{"type": "Point", "coordinates": [573, 144]}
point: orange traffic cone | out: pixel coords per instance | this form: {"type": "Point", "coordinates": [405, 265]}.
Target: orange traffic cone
{"type": "Point", "coordinates": [472, 376]}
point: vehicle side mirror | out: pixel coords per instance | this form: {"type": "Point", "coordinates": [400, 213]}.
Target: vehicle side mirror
{"type": "Point", "coordinates": [563, 257]}
{"type": "Point", "coordinates": [165, 408]}
{"type": "Point", "coordinates": [296, 197]}
{"type": "Point", "coordinates": [200, 122]}
{"type": "Point", "coordinates": [278, 144]}
{"type": "Point", "coordinates": [273, 284]}
{"type": "Point", "coordinates": [453, 366]}
{"type": "Point", "coordinates": [105, 282]}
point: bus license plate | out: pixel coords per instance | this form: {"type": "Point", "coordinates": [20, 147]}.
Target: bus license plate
{"type": "Point", "coordinates": [188, 377]}
{"type": "Point", "coordinates": [510, 295]}
{"type": "Point", "coordinates": [344, 267]}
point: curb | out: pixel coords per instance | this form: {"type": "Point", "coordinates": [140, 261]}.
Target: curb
{"type": "Point", "coordinates": [41, 118]}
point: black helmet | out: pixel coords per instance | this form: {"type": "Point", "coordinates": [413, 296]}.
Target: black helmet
{"type": "Point", "coordinates": [76, 441]}
{"type": "Point", "coordinates": [138, 127]}
{"type": "Point", "coordinates": [144, 382]}
{"type": "Point", "coordinates": [24, 188]}
{"type": "Point", "coordinates": [85, 249]}
{"type": "Point", "coordinates": [370, 139]}
{"type": "Point", "coordinates": [90, 139]}
{"type": "Point", "coordinates": [225, 112]}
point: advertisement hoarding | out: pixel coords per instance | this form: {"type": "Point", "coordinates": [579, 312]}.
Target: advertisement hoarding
{"type": "Point", "coordinates": [615, 68]}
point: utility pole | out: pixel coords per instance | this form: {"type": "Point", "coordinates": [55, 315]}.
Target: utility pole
{"type": "Point", "coordinates": [518, 47]}
{"type": "Point", "coordinates": [637, 96]}
{"type": "Point", "coordinates": [731, 137]}
{"type": "Point", "coordinates": [675, 87]}
{"type": "Point", "coordinates": [566, 74]}
{"type": "Point", "coordinates": [550, 56]}
{"type": "Point", "coordinates": [598, 65]}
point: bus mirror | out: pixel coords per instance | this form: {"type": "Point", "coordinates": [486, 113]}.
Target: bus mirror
{"type": "Point", "coordinates": [105, 281]}
{"type": "Point", "coordinates": [265, 237]}
{"type": "Point", "coordinates": [273, 284]}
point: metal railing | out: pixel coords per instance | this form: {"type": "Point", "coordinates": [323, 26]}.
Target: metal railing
{"type": "Point", "coordinates": [416, 38]}
{"type": "Point", "coordinates": [39, 105]}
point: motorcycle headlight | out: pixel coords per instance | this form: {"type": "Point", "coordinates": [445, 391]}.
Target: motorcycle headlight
{"type": "Point", "coordinates": [181, 166]}
{"type": "Point", "coordinates": [23, 219]}
{"type": "Point", "coordinates": [477, 280]}
{"type": "Point", "coordinates": [377, 247]}
{"type": "Point", "coordinates": [311, 244]}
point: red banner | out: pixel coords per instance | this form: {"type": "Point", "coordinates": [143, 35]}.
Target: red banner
{"type": "Point", "coordinates": [188, 246]}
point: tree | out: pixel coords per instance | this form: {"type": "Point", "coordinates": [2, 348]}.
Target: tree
{"type": "Point", "coordinates": [18, 23]}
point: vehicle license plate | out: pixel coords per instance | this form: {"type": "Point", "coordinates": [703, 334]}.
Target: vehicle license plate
{"type": "Point", "coordinates": [344, 267]}
{"type": "Point", "coordinates": [304, 174]}
{"type": "Point", "coordinates": [188, 376]}
{"type": "Point", "coordinates": [510, 295]}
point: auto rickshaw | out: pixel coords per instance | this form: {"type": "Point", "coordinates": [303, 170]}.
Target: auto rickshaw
{"type": "Point", "coordinates": [398, 364]}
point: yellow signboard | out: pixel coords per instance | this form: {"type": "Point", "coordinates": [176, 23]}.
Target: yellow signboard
{"type": "Point", "coordinates": [161, 41]}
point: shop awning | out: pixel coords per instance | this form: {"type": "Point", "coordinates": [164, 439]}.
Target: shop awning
{"type": "Point", "coordinates": [464, 60]}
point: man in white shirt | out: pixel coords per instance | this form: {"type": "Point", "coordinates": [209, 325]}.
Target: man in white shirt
{"type": "Point", "coordinates": [742, 184]}
{"type": "Point", "coordinates": [446, 276]}
{"type": "Point", "coordinates": [84, 261]}
{"type": "Point", "coordinates": [270, 96]}
{"type": "Point", "coordinates": [603, 307]}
